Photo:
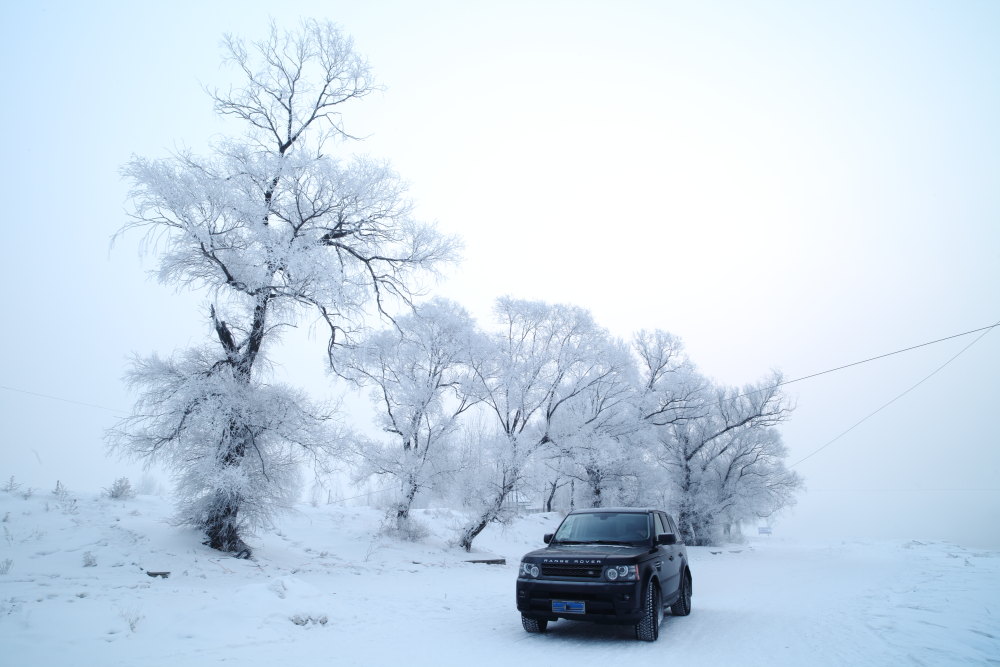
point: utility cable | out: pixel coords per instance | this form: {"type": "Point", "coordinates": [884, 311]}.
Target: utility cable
{"type": "Point", "coordinates": [64, 400]}
{"type": "Point", "coordinates": [985, 330]}
{"type": "Point", "coordinates": [889, 354]}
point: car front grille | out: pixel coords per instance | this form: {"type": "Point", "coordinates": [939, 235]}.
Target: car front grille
{"type": "Point", "coordinates": [565, 570]}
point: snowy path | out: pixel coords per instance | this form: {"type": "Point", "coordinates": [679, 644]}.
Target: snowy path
{"type": "Point", "coordinates": [325, 592]}
{"type": "Point", "coordinates": [772, 605]}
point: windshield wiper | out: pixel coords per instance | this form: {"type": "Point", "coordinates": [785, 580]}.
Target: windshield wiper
{"type": "Point", "coordinates": [593, 542]}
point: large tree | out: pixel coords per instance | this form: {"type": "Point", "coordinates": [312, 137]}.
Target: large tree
{"type": "Point", "coordinates": [715, 459]}
{"type": "Point", "coordinates": [594, 432]}
{"type": "Point", "coordinates": [535, 364]}
{"type": "Point", "coordinates": [272, 225]}
{"type": "Point", "coordinates": [421, 384]}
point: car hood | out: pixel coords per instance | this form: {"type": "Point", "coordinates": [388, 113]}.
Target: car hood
{"type": "Point", "coordinates": [575, 552]}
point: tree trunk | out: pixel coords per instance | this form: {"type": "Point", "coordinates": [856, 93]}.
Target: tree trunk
{"type": "Point", "coordinates": [222, 531]}
{"type": "Point", "coordinates": [222, 522]}
{"type": "Point", "coordinates": [553, 487]}
{"type": "Point", "coordinates": [406, 503]}
{"type": "Point", "coordinates": [489, 514]}
{"type": "Point", "coordinates": [596, 481]}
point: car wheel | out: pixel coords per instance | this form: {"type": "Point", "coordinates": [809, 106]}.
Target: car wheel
{"type": "Point", "coordinates": [683, 605]}
{"type": "Point", "coordinates": [648, 628]}
{"type": "Point", "coordinates": [534, 624]}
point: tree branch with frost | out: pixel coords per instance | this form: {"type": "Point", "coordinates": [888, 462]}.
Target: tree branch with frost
{"type": "Point", "coordinates": [418, 373]}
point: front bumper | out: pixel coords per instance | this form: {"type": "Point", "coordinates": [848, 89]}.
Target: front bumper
{"type": "Point", "coordinates": [606, 602]}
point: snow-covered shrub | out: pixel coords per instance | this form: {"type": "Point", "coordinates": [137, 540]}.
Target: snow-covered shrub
{"type": "Point", "coordinates": [66, 506]}
{"type": "Point", "coordinates": [60, 492]}
{"type": "Point", "coordinates": [120, 490]}
{"type": "Point", "coordinates": [5, 565]}
{"type": "Point", "coordinates": [131, 616]}
{"type": "Point", "coordinates": [407, 529]}
{"type": "Point", "coordinates": [89, 560]}
{"type": "Point", "coordinates": [11, 486]}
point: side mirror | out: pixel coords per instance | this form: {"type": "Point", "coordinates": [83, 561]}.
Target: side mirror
{"type": "Point", "coordinates": [547, 537]}
{"type": "Point", "coordinates": [666, 539]}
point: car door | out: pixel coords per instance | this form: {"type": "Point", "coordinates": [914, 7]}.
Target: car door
{"type": "Point", "coordinates": [670, 570]}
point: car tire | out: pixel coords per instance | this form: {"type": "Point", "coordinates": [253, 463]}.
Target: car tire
{"type": "Point", "coordinates": [534, 624]}
{"type": "Point", "coordinates": [648, 628]}
{"type": "Point", "coordinates": [683, 605]}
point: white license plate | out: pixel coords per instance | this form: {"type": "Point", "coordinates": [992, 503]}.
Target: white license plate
{"type": "Point", "coordinates": [569, 607]}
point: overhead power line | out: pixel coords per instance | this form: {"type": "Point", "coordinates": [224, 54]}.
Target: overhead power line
{"type": "Point", "coordinates": [889, 354]}
{"type": "Point", "coordinates": [64, 400]}
{"type": "Point", "coordinates": [984, 330]}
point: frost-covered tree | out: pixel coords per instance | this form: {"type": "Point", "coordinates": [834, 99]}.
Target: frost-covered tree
{"type": "Point", "coordinates": [271, 224]}
{"type": "Point", "coordinates": [539, 359]}
{"type": "Point", "coordinates": [748, 480]}
{"type": "Point", "coordinates": [697, 452]}
{"type": "Point", "coordinates": [719, 458]}
{"type": "Point", "coordinates": [595, 432]}
{"type": "Point", "coordinates": [421, 382]}
{"type": "Point", "coordinates": [556, 480]}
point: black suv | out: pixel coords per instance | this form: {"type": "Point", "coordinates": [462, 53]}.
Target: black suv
{"type": "Point", "coordinates": [614, 565]}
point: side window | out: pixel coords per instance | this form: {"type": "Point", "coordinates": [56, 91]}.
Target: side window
{"type": "Point", "coordinates": [673, 526]}
{"type": "Point", "coordinates": [658, 523]}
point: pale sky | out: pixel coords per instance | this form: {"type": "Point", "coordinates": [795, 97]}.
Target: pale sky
{"type": "Point", "coordinates": [784, 185]}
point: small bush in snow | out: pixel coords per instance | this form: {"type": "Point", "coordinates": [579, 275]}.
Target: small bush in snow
{"type": "Point", "coordinates": [11, 486]}
{"type": "Point", "coordinates": [89, 560]}
{"type": "Point", "coordinates": [27, 493]}
{"type": "Point", "coordinates": [132, 616]}
{"type": "Point", "coordinates": [60, 491]}
{"type": "Point", "coordinates": [67, 506]}
{"type": "Point", "coordinates": [408, 530]}
{"type": "Point", "coordinates": [120, 490]}
{"type": "Point", "coordinates": [5, 565]}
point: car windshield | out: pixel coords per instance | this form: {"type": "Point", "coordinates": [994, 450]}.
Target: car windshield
{"type": "Point", "coordinates": [603, 528]}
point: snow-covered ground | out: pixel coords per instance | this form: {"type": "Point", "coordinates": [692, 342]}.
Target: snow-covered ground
{"type": "Point", "coordinates": [327, 589]}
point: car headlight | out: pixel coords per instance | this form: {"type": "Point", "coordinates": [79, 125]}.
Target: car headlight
{"type": "Point", "coordinates": [529, 570]}
{"type": "Point", "coordinates": [621, 572]}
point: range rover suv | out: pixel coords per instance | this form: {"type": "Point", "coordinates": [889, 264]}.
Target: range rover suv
{"type": "Point", "coordinates": [613, 565]}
